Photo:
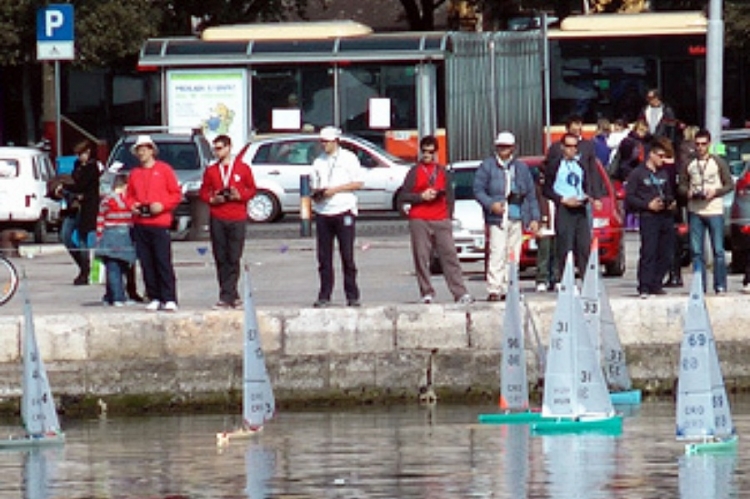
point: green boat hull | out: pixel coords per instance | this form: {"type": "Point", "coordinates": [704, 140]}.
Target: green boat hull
{"type": "Point", "coordinates": [510, 418]}
{"type": "Point", "coordinates": [713, 447]}
{"type": "Point", "coordinates": [26, 442]}
{"type": "Point", "coordinates": [552, 426]}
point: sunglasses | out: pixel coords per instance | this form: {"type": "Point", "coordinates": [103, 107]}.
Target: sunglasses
{"type": "Point", "coordinates": [570, 145]}
{"type": "Point", "coordinates": [428, 151]}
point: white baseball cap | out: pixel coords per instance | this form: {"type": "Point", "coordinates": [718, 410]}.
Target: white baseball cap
{"type": "Point", "coordinates": [144, 140]}
{"type": "Point", "coordinates": [330, 133]}
{"type": "Point", "coordinates": [505, 139]}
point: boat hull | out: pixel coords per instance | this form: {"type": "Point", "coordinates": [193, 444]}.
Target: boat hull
{"type": "Point", "coordinates": [25, 442]}
{"type": "Point", "coordinates": [550, 426]}
{"type": "Point", "coordinates": [510, 418]}
{"type": "Point", "coordinates": [225, 437]}
{"type": "Point", "coordinates": [713, 447]}
{"type": "Point", "coordinates": [627, 397]}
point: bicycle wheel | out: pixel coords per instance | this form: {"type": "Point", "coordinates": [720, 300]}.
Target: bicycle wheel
{"type": "Point", "coordinates": [8, 280]}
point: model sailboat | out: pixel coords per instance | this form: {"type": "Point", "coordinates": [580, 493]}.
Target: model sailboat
{"type": "Point", "coordinates": [38, 413]}
{"type": "Point", "coordinates": [258, 403]}
{"type": "Point", "coordinates": [703, 412]}
{"type": "Point", "coordinates": [514, 387]}
{"type": "Point", "coordinates": [598, 313]}
{"type": "Point", "coordinates": [575, 393]}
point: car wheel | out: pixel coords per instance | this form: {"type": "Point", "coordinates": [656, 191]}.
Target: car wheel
{"type": "Point", "coordinates": [40, 230]}
{"type": "Point", "coordinates": [263, 208]}
{"type": "Point", "coordinates": [739, 261]}
{"type": "Point", "coordinates": [616, 268]}
{"type": "Point", "coordinates": [435, 267]}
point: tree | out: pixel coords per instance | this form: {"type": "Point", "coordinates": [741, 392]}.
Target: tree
{"type": "Point", "coordinates": [420, 14]}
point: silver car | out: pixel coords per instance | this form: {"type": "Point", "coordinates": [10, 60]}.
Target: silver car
{"type": "Point", "coordinates": [279, 161]}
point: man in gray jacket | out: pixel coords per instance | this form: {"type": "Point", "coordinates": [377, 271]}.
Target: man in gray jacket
{"type": "Point", "coordinates": [503, 185]}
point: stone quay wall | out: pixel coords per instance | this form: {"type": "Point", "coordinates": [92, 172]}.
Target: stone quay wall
{"type": "Point", "coordinates": [373, 353]}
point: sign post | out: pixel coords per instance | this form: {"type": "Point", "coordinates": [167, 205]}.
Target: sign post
{"type": "Point", "coordinates": [55, 42]}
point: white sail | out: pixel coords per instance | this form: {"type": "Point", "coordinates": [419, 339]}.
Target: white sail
{"type": "Point", "coordinates": [579, 466]}
{"type": "Point", "coordinates": [574, 383]}
{"type": "Point", "coordinates": [598, 312]}
{"type": "Point", "coordinates": [260, 465]}
{"type": "Point", "coordinates": [37, 406]}
{"type": "Point", "coordinates": [702, 405]}
{"type": "Point", "coordinates": [38, 471]}
{"type": "Point", "coordinates": [514, 389]}
{"type": "Point", "coordinates": [258, 403]}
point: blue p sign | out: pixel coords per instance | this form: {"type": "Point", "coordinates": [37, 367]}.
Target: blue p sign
{"type": "Point", "coordinates": [55, 23]}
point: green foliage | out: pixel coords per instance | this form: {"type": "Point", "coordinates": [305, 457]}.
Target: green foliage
{"type": "Point", "coordinates": [17, 31]}
{"type": "Point", "coordinates": [737, 24]}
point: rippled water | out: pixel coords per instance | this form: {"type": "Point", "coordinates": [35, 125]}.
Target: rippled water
{"type": "Point", "coordinates": [397, 452]}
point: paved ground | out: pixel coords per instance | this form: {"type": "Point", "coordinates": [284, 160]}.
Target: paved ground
{"type": "Point", "coordinates": [283, 271]}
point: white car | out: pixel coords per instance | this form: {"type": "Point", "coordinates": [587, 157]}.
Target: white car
{"type": "Point", "coordinates": [279, 161]}
{"type": "Point", "coordinates": [468, 219]}
{"type": "Point", "coordinates": [24, 173]}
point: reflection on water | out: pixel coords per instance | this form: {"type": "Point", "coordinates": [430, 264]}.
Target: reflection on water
{"type": "Point", "coordinates": [401, 452]}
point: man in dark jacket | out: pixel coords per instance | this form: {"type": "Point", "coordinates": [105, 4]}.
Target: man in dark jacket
{"type": "Point", "coordinates": [650, 193]}
{"type": "Point", "coordinates": [659, 116]}
{"type": "Point", "coordinates": [503, 185]}
{"type": "Point", "coordinates": [573, 183]}
{"type": "Point", "coordinates": [428, 190]}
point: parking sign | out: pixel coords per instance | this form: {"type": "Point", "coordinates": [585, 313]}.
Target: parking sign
{"type": "Point", "coordinates": [55, 33]}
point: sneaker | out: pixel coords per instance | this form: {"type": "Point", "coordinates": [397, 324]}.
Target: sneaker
{"type": "Point", "coordinates": [353, 303]}
{"type": "Point", "coordinates": [220, 305]}
{"type": "Point", "coordinates": [118, 304]}
{"type": "Point", "coordinates": [466, 299]}
{"type": "Point", "coordinates": [427, 299]}
{"type": "Point", "coordinates": [322, 304]}
{"type": "Point", "coordinates": [541, 287]}
{"type": "Point", "coordinates": [170, 306]}
{"type": "Point", "coordinates": [643, 296]}
{"type": "Point", "coordinates": [237, 303]}
{"type": "Point", "coordinates": [153, 305]}
{"type": "Point", "coordinates": [720, 291]}
{"type": "Point", "coordinates": [746, 288]}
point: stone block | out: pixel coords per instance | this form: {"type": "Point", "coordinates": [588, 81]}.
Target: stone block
{"type": "Point", "coordinates": [10, 339]}
{"type": "Point", "coordinates": [62, 337]}
{"type": "Point", "coordinates": [127, 336]}
{"type": "Point", "coordinates": [436, 326]}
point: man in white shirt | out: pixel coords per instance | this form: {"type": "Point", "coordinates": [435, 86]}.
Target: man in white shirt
{"type": "Point", "coordinates": [336, 175]}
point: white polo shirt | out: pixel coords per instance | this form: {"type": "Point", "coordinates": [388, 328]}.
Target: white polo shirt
{"type": "Point", "coordinates": [340, 168]}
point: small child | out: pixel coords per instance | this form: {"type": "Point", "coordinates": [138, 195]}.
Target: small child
{"type": "Point", "coordinates": [115, 245]}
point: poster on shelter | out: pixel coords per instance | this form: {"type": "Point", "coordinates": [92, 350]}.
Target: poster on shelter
{"type": "Point", "coordinates": [213, 100]}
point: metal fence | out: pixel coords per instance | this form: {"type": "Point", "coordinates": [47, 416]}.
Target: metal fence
{"type": "Point", "coordinates": [494, 82]}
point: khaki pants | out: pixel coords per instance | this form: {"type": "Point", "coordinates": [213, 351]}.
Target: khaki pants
{"type": "Point", "coordinates": [503, 242]}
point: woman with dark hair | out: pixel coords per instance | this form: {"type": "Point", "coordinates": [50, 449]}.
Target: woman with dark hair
{"type": "Point", "coordinates": [82, 196]}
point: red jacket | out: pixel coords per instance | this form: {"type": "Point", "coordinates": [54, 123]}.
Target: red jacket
{"type": "Point", "coordinates": [241, 178]}
{"type": "Point", "coordinates": [157, 184]}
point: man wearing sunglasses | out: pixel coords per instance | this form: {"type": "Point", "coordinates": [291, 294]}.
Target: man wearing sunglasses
{"type": "Point", "coordinates": [704, 182]}
{"type": "Point", "coordinates": [428, 191]}
{"type": "Point", "coordinates": [650, 193]}
{"type": "Point", "coordinates": [227, 186]}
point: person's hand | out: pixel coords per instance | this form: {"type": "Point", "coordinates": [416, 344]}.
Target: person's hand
{"type": "Point", "coordinates": [429, 194]}
{"type": "Point", "coordinates": [234, 194]}
{"type": "Point", "coordinates": [534, 227]}
{"type": "Point", "coordinates": [572, 202]}
{"type": "Point", "coordinates": [156, 207]}
{"type": "Point", "coordinates": [656, 204]}
{"type": "Point", "coordinates": [710, 193]}
{"type": "Point", "coordinates": [498, 207]}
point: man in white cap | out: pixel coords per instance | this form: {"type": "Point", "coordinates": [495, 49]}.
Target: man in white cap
{"type": "Point", "coordinates": [503, 185]}
{"type": "Point", "coordinates": [152, 194]}
{"type": "Point", "coordinates": [336, 175]}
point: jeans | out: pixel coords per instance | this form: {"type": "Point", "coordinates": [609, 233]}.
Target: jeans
{"type": "Point", "coordinates": [77, 244]}
{"type": "Point", "coordinates": [341, 228]}
{"type": "Point", "coordinates": [115, 287]}
{"type": "Point", "coordinates": [715, 225]}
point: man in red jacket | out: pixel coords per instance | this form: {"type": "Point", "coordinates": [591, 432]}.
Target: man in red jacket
{"type": "Point", "coordinates": [153, 193]}
{"type": "Point", "coordinates": [227, 186]}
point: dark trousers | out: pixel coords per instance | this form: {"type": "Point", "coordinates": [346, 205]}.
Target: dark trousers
{"type": "Point", "coordinates": [342, 228]}
{"type": "Point", "coordinates": [227, 244]}
{"type": "Point", "coordinates": [657, 246]}
{"type": "Point", "coordinates": [573, 233]}
{"type": "Point", "coordinates": [153, 245]}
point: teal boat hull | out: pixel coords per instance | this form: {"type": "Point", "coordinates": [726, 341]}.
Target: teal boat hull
{"type": "Point", "coordinates": [25, 442]}
{"type": "Point", "coordinates": [510, 418]}
{"type": "Point", "coordinates": [713, 447]}
{"type": "Point", "coordinates": [552, 426]}
{"type": "Point", "coordinates": [628, 397]}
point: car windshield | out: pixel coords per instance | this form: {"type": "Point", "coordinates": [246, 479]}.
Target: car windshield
{"type": "Point", "coordinates": [463, 183]}
{"type": "Point", "coordinates": [179, 155]}
{"type": "Point", "coordinates": [390, 157]}
{"type": "Point", "coordinates": [737, 153]}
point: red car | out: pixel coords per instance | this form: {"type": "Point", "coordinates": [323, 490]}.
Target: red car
{"type": "Point", "coordinates": [608, 228]}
